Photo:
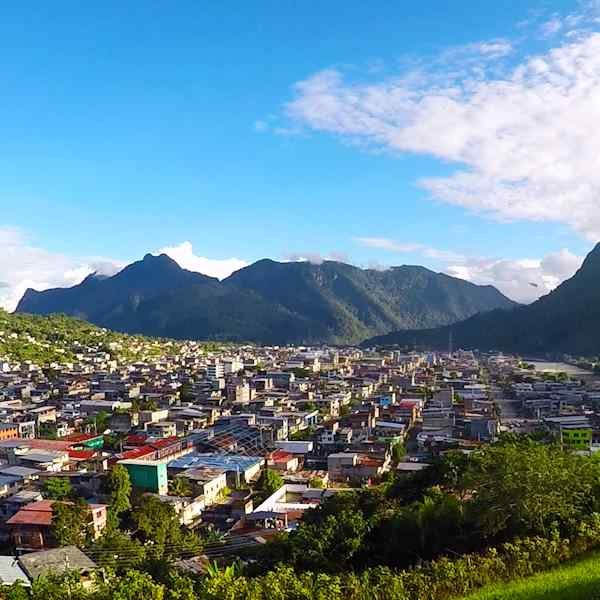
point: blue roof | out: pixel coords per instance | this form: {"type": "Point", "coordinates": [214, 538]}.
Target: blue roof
{"type": "Point", "coordinates": [226, 462]}
{"type": "Point", "coordinates": [9, 479]}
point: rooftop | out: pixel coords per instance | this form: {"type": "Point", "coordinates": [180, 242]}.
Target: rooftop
{"type": "Point", "coordinates": [226, 462]}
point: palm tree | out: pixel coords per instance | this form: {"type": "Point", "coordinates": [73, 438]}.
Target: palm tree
{"type": "Point", "coordinates": [180, 487]}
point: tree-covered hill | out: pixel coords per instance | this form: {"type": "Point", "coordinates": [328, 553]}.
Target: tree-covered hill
{"type": "Point", "coordinates": [59, 339]}
{"type": "Point", "coordinates": [567, 320]}
{"type": "Point", "coordinates": [268, 301]}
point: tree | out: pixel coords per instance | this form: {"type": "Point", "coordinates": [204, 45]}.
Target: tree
{"type": "Point", "coordinates": [118, 488]}
{"type": "Point", "coordinates": [398, 452]}
{"type": "Point", "coordinates": [71, 523]}
{"type": "Point", "coordinates": [158, 525]}
{"type": "Point", "coordinates": [57, 488]}
{"type": "Point", "coordinates": [118, 551]}
{"type": "Point", "coordinates": [269, 482]}
{"type": "Point", "coordinates": [134, 585]}
{"type": "Point", "coordinates": [525, 487]}
{"type": "Point", "coordinates": [100, 422]}
{"type": "Point", "coordinates": [329, 545]}
{"type": "Point", "coordinates": [180, 486]}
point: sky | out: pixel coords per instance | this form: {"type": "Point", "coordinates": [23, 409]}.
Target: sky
{"type": "Point", "coordinates": [459, 135]}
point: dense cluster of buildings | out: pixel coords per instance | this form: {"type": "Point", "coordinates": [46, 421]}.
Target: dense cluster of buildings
{"type": "Point", "coordinates": [197, 428]}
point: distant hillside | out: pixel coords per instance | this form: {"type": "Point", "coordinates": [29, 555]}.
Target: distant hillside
{"type": "Point", "coordinates": [268, 301]}
{"type": "Point", "coordinates": [58, 339]}
{"type": "Point", "coordinates": [565, 320]}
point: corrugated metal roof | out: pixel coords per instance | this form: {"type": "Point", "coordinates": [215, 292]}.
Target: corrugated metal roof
{"type": "Point", "coordinates": [10, 571]}
{"type": "Point", "coordinates": [58, 560]}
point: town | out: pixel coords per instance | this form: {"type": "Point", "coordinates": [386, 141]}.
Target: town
{"type": "Point", "coordinates": [237, 442]}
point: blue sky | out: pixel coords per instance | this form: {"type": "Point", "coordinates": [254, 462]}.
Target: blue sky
{"type": "Point", "coordinates": [294, 130]}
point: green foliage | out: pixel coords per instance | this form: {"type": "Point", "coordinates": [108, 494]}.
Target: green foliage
{"type": "Point", "coordinates": [158, 527]}
{"type": "Point", "coordinates": [135, 585]}
{"type": "Point", "coordinates": [269, 482]}
{"type": "Point", "coordinates": [100, 421]}
{"type": "Point", "coordinates": [44, 340]}
{"type": "Point", "coordinates": [71, 523]}
{"type": "Point", "coordinates": [180, 486]}
{"type": "Point", "coordinates": [303, 435]}
{"type": "Point", "coordinates": [578, 580]}
{"type": "Point", "coordinates": [565, 321]}
{"type": "Point", "coordinates": [524, 488]}
{"type": "Point", "coordinates": [441, 579]}
{"type": "Point", "coordinates": [118, 488]}
{"type": "Point", "coordinates": [117, 550]}
{"type": "Point", "coordinates": [398, 453]}
{"type": "Point", "coordinates": [57, 488]}
{"type": "Point", "coordinates": [273, 302]}
{"type": "Point", "coordinates": [316, 482]}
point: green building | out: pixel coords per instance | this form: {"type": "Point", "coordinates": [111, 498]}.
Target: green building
{"type": "Point", "coordinates": [148, 475]}
{"type": "Point", "coordinates": [579, 438]}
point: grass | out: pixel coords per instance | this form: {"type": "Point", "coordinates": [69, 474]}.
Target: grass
{"type": "Point", "coordinates": [577, 580]}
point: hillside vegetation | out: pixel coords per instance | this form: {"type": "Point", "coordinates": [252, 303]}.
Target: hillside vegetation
{"type": "Point", "coordinates": [268, 302]}
{"type": "Point", "coordinates": [44, 340]}
{"type": "Point", "coordinates": [579, 580]}
{"type": "Point", "coordinates": [565, 321]}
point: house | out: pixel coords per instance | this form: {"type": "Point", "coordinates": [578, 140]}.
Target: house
{"type": "Point", "coordinates": [285, 506]}
{"type": "Point", "coordinates": [58, 561]}
{"type": "Point", "coordinates": [239, 469]}
{"type": "Point", "coordinates": [147, 475]}
{"type": "Point", "coordinates": [355, 467]}
{"type": "Point", "coordinates": [283, 461]}
{"type": "Point", "coordinates": [162, 429]}
{"type": "Point", "coordinates": [209, 482]}
{"type": "Point", "coordinates": [31, 527]}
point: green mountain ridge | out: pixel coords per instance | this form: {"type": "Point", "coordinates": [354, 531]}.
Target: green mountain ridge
{"type": "Point", "coordinates": [268, 301]}
{"type": "Point", "coordinates": [567, 320]}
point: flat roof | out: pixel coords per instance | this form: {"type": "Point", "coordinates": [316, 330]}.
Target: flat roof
{"type": "Point", "coordinates": [227, 462]}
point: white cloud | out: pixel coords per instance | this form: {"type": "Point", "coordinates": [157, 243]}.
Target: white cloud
{"type": "Point", "coordinates": [524, 279]}
{"type": "Point", "coordinates": [393, 246]}
{"type": "Point", "coordinates": [551, 26]}
{"type": "Point", "coordinates": [24, 265]}
{"type": "Point", "coordinates": [260, 126]}
{"type": "Point", "coordinates": [316, 258]}
{"type": "Point", "coordinates": [184, 255]}
{"type": "Point", "coordinates": [522, 138]}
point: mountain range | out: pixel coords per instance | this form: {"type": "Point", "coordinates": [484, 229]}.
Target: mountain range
{"type": "Point", "coordinates": [268, 302]}
{"type": "Point", "coordinates": [567, 320]}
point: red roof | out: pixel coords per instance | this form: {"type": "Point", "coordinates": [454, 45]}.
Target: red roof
{"type": "Point", "coordinates": [280, 456]}
{"type": "Point", "coordinates": [408, 403]}
{"type": "Point", "coordinates": [79, 437]}
{"type": "Point", "coordinates": [36, 513]}
{"type": "Point", "coordinates": [40, 513]}
{"type": "Point", "coordinates": [136, 453]}
{"type": "Point", "coordinates": [163, 443]}
{"type": "Point", "coordinates": [81, 454]}
{"type": "Point", "coordinates": [137, 439]}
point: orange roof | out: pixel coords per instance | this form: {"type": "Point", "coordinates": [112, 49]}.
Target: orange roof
{"type": "Point", "coordinates": [39, 513]}
{"type": "Point", "coordinates": [37, 444]}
